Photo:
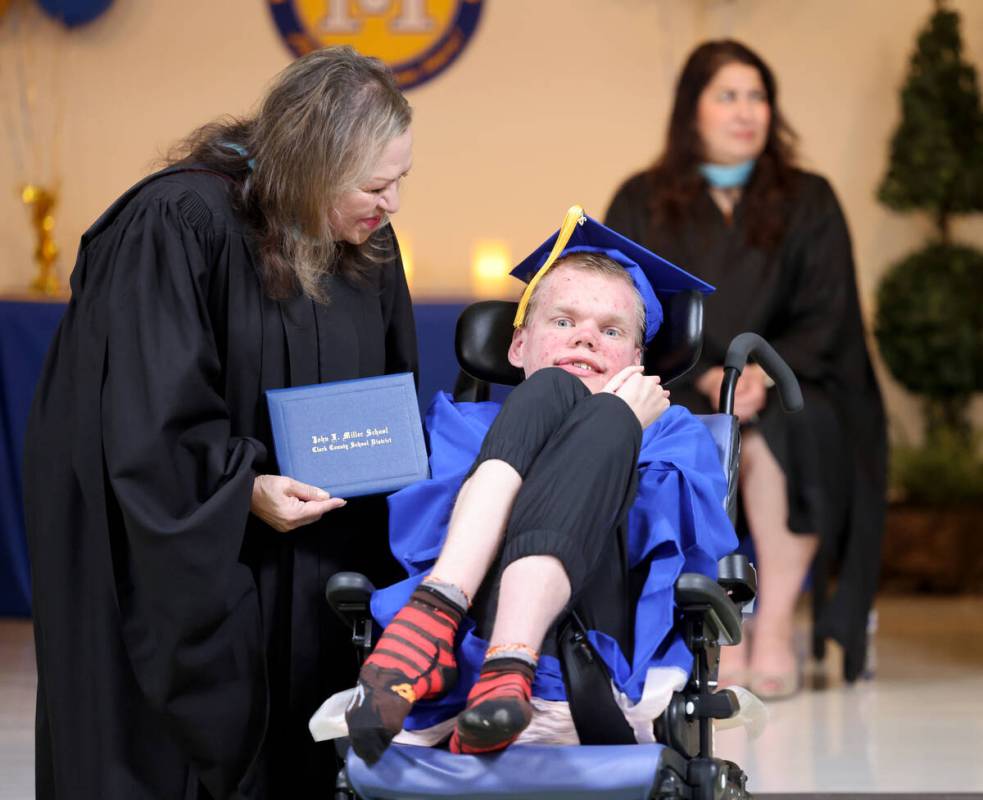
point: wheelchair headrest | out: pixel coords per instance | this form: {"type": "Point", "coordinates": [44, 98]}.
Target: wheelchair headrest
{"type": "Point", "coordinates": [482, 339]}
{"type": "Point", "coordinates": [484, 332]}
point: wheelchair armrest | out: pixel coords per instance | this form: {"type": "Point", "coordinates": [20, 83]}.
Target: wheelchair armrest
{"type": "Point", "coordinates": [697, 594]}
{"type": "Point", "coordinates": [737, 576]}
{"type": "Point", "coordinates": [349, 594]}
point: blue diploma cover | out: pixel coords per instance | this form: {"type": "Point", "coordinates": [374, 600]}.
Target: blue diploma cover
{"type": "Point", "coordinates": [352, 437]}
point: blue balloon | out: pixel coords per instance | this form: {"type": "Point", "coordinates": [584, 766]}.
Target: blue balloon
{"type": "Point", "coordinates": [74, 12]}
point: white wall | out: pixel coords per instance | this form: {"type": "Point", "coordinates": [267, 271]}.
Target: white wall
{"type": "Point", "coordinates": [553, 102]}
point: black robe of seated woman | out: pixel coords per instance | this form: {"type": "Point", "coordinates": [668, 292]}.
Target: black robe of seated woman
{"type": "Point", "coordinates": [802, 297]}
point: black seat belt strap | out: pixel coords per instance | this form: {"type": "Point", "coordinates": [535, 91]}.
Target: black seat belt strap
{"type": "Point", "coordinates": [596, 715]}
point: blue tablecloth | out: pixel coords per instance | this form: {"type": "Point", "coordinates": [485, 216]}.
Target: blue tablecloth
{"type": "Point", "coordinates": [26, 330]}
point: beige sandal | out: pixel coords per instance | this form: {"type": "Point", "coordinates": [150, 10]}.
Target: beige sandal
{"type": "Point", "coordinates": [777, 686]}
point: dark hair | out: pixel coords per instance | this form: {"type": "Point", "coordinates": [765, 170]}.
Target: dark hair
{"type": "Point", "coordinates": [322, 125]}
{"type": "Point", "coordinates": [675, 180]}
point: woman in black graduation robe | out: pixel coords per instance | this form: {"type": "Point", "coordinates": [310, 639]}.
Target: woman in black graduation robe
{"type": "Point", "coordinates": [799, 292]}
{"type": "Point", "coordinates": [182, 643]}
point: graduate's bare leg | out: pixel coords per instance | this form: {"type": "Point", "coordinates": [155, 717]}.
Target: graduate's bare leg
{"type": "Point", "coordinates": [567, 511]}
{"type": "Point", "coordinates": [414, 658]}
{"type": "Point", "coordinates": [535, 411]}
{"type": "Point", "coordinates": [783, 561]}
{"type": "Point", "coordinates": [477, 525]}
{"type": "Point", "coordinates": [533, 592]}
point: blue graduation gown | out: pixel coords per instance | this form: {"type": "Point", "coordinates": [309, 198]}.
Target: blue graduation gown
{"type": "Point", "coordinates": [678, 521]}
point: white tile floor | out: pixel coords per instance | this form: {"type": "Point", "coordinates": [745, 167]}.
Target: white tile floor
{"type": "Point", "coordinates": [18, 683]}
{"type": "Point", "coordinates": [917, 728]}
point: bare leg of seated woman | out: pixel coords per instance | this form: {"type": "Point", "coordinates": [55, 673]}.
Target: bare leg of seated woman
{"type": "Point", "coordinates": [783, 561]}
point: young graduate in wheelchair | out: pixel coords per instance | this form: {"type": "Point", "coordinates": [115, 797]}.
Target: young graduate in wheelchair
{"type": "Point", "coordinates": [585, 492]}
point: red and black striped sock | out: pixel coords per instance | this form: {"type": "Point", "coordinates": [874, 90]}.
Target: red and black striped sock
{"type": "Point", "coordinates": [498, 709]}
{"type": "Point", "coordinates": [413, 660]}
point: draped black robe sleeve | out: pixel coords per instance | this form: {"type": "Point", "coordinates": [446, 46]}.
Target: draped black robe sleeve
{"type": "Point", "coordinates": [182, 644]}
{"type": "Point", "coordinates": [802, 298]}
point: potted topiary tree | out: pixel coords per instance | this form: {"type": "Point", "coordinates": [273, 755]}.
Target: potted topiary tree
{"type": "Point", "coordinates": [929, 321]}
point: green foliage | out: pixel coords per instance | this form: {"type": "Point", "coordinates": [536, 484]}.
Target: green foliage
{"type": "Point", "coordinates": [946, 470]}
{"type": "Point", "coordinates": [929, 323]}
{"type": "Point", "coordinates": [937, 151]}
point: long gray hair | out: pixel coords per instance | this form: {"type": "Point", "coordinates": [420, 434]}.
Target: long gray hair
{"type": "Point", "coordinates": [319, 131]}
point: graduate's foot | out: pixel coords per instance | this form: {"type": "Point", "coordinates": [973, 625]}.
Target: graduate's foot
{"type": "Point", "coordinates": [498, 709]}
{"type": "Point", "coordinates": [413, 660]}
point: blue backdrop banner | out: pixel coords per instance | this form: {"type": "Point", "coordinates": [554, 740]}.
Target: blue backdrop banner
{"type": "Point", "coordinates": [26, 331]}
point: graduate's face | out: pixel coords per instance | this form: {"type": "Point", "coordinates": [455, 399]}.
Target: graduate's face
{"type": "Point", "coordinates": [359, 213]}
{"type": "Point", "coordinates": [733, 114]}
{"type": "Point", "coordinates": [585, 323]}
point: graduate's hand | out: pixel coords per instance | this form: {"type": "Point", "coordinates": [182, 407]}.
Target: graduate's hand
{"type": "Point", "coordinates": [285, 504]}
{"type": "Point", "coordinates": [644, 394]}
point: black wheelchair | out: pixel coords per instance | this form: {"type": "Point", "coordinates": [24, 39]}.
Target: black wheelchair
{"type": "Point", "coordinates": [607, 764]}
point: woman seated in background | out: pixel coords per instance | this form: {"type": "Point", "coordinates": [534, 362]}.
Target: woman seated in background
{"type": "Point", "coordinates": [726, 200]}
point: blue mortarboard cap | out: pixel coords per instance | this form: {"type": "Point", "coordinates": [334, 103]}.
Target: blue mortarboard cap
{"type": "Point", "coordinates": [651, 274]}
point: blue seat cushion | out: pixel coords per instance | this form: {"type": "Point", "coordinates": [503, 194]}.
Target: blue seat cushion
{"type": "Point", "coordinates": [532, 772]}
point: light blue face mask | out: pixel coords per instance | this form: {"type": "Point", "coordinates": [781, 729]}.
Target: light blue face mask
{"type": "Point", "coordinates": [251, 163]}
{"type": "Point", "coordinates": [721, 176]}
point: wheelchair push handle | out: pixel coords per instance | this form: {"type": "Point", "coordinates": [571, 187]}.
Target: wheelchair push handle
{"type": "Point", "coordinates": [750, 344]}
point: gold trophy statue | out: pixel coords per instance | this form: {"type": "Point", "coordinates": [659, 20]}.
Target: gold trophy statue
{"type": "Point", "coordinates": [42, 202]}
{"type": "Point", "coordinates": [31, 115]}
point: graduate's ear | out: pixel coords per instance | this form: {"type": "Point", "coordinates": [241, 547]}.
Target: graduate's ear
{"type": "Point", "coordinates": [517, 347]}
{"type": "Point", "coordinates": [638, 356]}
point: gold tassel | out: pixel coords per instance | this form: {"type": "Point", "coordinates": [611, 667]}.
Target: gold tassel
{"type": "Point", "coordinates": [575, 216]}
